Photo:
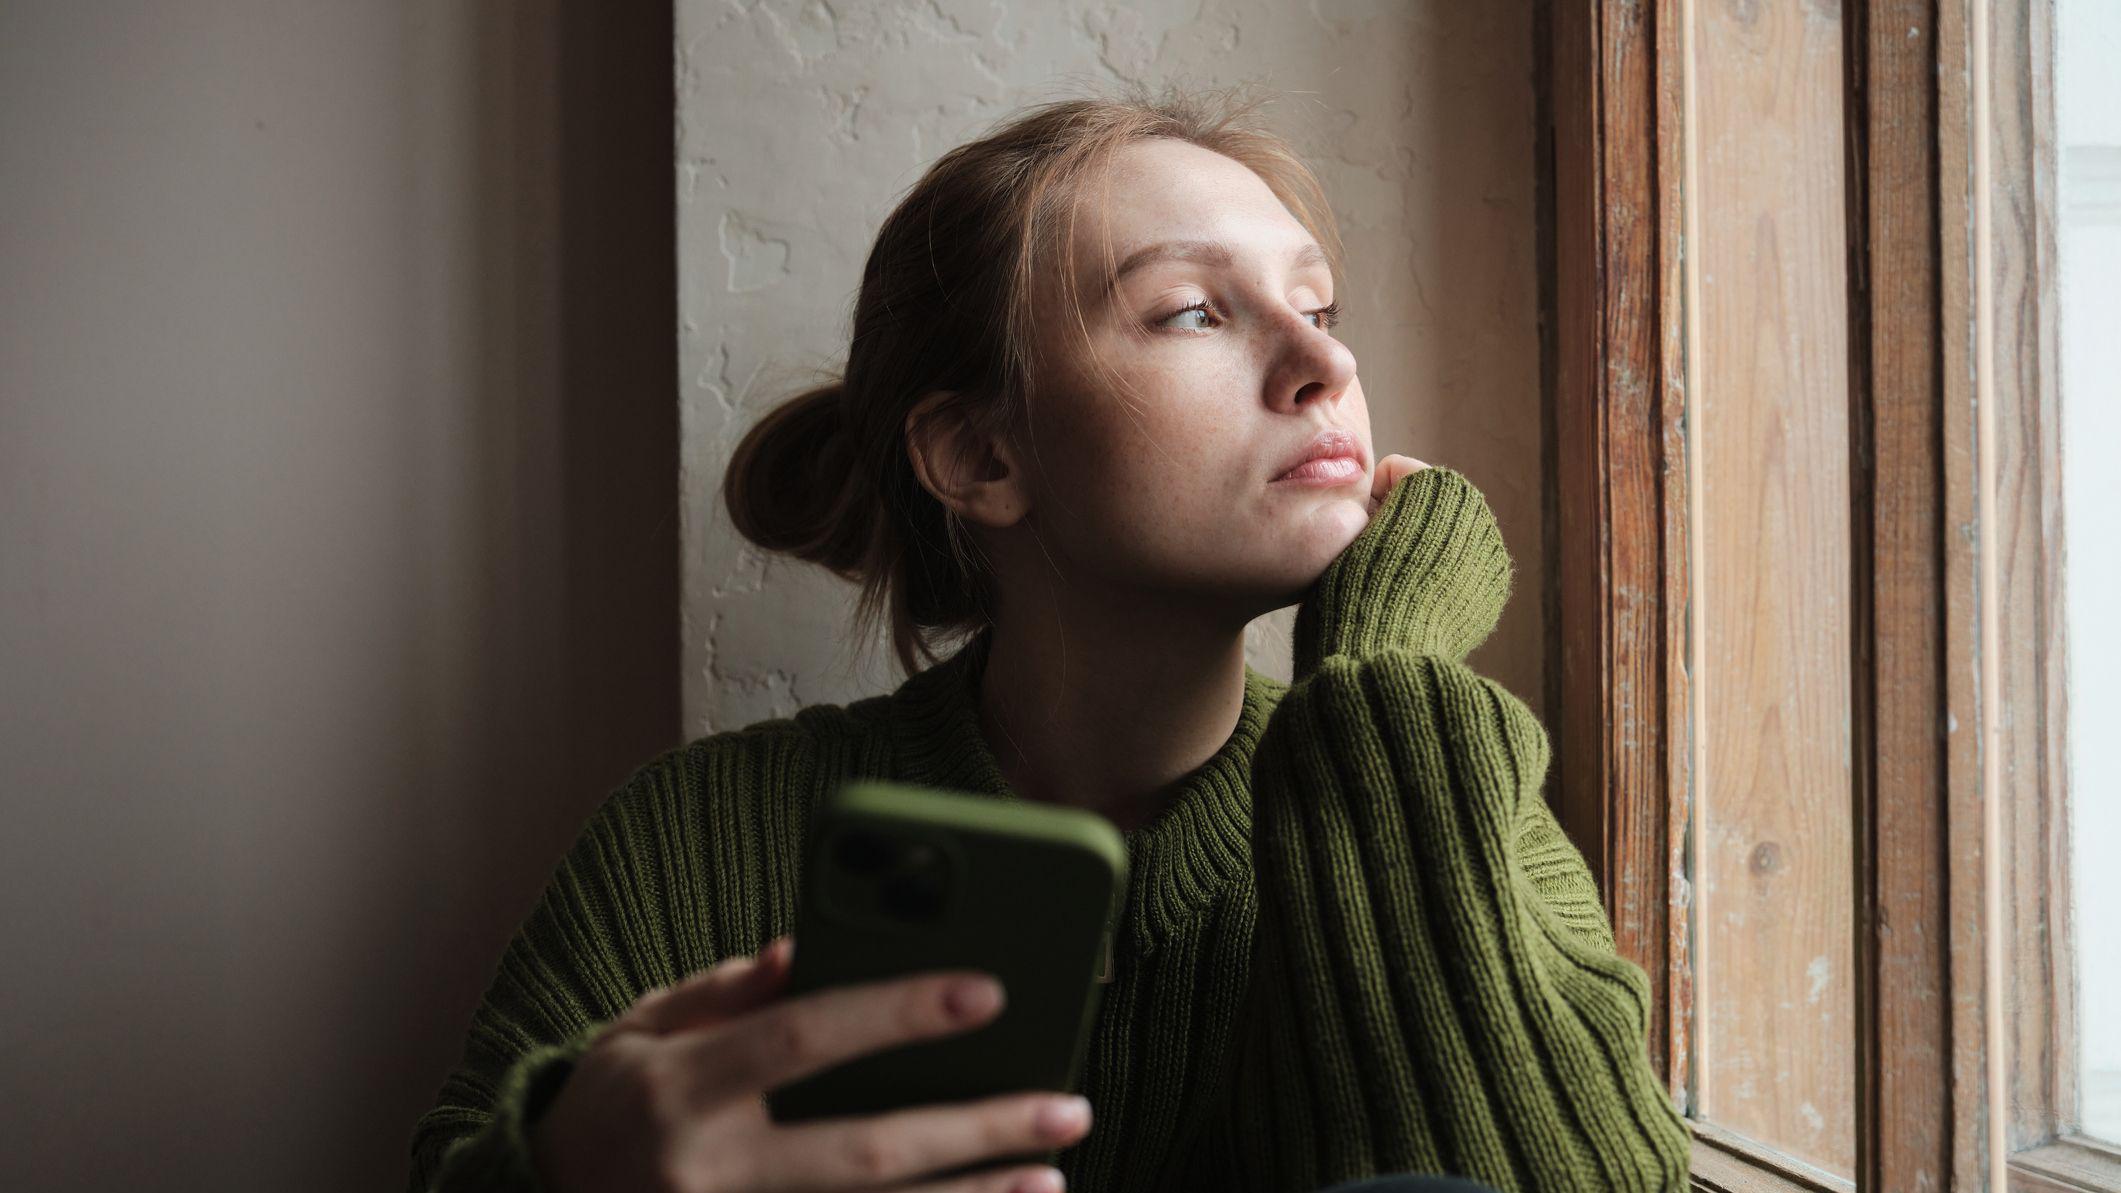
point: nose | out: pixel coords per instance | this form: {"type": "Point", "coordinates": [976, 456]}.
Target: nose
{"type": "Point", "coordinates": [1310, 366]}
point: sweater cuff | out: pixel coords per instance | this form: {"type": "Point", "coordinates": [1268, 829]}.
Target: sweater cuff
{"type": "Point", "coordinates": [1429, 573]}
{"type": "Point", "coordinates": [499, 1157]}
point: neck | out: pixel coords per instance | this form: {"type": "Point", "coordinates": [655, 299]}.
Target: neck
{"type": "Point", "coordinates": [1104, 706]}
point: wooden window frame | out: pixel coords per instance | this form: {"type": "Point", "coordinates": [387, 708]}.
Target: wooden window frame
{"type": "Point", "coordinates": [1964, 1023]}
{"type": "Point", "coordinates": [1612, 373]}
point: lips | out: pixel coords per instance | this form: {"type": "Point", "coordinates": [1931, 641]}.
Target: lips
{"type": "Point", "coordinates": [1326, 444]}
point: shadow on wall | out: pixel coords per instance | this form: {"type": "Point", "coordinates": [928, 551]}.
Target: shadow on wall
{"type": "Point", "coordinates": [575, 234]}
{"type": "Point", "coordinates": [338, 560]}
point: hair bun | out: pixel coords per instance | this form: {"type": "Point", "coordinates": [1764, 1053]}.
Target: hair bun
{"type": "Point", "coordinates": [794, 485]}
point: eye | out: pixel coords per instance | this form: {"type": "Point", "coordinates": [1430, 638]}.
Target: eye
{"type": "Point", "coordinates": [1326, 317]}
{"type": "Point", "coordinates": [1198, 308]}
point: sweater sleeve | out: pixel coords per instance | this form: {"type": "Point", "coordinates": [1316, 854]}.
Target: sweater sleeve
{"type": "Point", "coordinates": [595, 941]}
{"type": "Point", "coordinates": [1435, 987]}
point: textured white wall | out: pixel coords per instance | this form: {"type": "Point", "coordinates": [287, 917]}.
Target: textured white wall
{"type": "Point", "coordinates": [800, 124]}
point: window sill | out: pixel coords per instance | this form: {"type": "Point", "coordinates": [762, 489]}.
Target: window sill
{"type": "Point", "coordinates": [1726, 1162]}
{"type": "Point", "coordinates": [2071, 1164]}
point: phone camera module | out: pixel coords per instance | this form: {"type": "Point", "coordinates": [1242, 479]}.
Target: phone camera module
{"type": "Point", "coordinates": [880, 874]}
{"type": "Point", "coordinates": [914, 894]}
{"type": "Point", "coordinates": [862, 852]}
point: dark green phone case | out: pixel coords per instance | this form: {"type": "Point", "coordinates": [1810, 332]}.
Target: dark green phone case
{"type": "Point", "coordinates": [899, 880]}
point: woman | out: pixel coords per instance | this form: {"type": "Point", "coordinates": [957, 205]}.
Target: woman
{"type": "Point", "coordinates": [1094, 421]}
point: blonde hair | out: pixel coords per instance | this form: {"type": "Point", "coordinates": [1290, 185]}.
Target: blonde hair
{"type": "Point", "coordinates": [946, 304]}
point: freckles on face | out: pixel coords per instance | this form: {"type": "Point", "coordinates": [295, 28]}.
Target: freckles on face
{"type": "Point", "coordinates": [1217, 362]}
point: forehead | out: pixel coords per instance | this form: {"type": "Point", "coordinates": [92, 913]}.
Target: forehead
{"type": "Point", "coordinates": [1161, 189]}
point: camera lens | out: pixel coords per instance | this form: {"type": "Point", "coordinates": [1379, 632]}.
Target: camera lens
{"type": "Point", "coordinates": [859, 851]}
{"type": "Point", "coordinates": [914, 894]}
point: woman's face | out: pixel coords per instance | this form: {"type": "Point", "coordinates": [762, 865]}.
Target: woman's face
{"type": "Point", "coordinates": [1213, 320]}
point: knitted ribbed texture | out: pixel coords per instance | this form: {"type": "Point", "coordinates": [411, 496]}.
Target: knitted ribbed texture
{"type": "Point", "coordinates": [1429, 574]}
{"type": "Point", "coordinates": [1436, 989]}
{"type": "Point", "coordinates": [1403, 965]}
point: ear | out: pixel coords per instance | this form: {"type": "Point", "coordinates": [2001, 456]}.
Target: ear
{"type": "Point", "coordinates": [974, 475]}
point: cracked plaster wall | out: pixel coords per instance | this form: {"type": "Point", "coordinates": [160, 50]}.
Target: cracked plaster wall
{"type": "Point", "coordinates": [800, 123]}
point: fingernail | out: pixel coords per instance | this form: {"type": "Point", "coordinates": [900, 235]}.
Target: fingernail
{"type": "Point", "coordinates": [1045, 1180]}
{"type": "Point", "coordinates": [974, 998]}
{"type": "Point", "coordinates": [1064, 1116]}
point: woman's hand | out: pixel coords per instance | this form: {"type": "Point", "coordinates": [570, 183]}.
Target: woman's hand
{"type": "Point", "coordinates": [1434, 580]}
{"type": "Point", "coordinates": [1388, 472]}
{"type": "Point", "coordinates": [671, 1096]}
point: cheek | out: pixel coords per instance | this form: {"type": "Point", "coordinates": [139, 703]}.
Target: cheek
{"type": "Point", "coordinates": [1179, 448]}
{"type": "Point", "coordinates": [1148, 477]}
{"type": "Point", "coordinates": [1175, 451]}
{"type": "Point", "coordinates": [1169, 419]}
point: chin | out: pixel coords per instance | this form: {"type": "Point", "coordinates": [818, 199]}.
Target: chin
{"type": "Point", "coordinates": [1349, 513]}
{"type": "Point", "coordinates": [1299, 570]}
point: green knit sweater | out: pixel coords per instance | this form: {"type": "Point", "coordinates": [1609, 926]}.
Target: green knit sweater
{"type": "Point", "coordinates": [1355, 939]}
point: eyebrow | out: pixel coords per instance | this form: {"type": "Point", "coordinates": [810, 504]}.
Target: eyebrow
{"type": "Point", "coordinates": [1205, 252]}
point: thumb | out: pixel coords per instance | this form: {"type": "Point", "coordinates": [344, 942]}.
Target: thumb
{"type": "Point", "coordinates": [1390, 470]}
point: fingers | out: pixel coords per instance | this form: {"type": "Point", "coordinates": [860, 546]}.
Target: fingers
{"type": "Point", "coordinates": [1038, 1179]}
{"type": "Point", "coordinates": [1033, 1179]}
{"type": "Point", "coordinates": [866, 1150]}
{"type": "Point", "coordinates": [800, 1036]}
{"type": "Point", "coordinates": [721, 991]}
{"type": "Point", "coordinates": [1390, 470]}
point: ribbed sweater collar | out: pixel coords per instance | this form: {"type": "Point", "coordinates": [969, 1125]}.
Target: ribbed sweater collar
{"type": "Point", "coordinates": [1178, 863]}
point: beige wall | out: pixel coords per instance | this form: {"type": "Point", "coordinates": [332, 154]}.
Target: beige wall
{"type": "Point", "coordinates": [800, 123]}
{"type": "Point", "coordinates": [337, 566]}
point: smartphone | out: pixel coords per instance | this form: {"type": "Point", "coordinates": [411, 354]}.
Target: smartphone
{"type": "Point", "coordinates": [900, 879]}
